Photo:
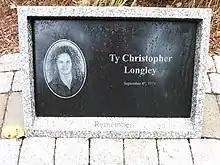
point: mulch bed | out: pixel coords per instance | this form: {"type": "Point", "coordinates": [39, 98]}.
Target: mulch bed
{"type": "Point", "coordinates": [9, 42]}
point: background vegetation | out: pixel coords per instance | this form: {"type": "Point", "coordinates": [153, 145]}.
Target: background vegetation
{"type": "Point", "coordinates": [8, 22]}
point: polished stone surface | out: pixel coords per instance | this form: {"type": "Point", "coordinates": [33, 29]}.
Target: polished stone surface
{"type": "Point", "coordinates": [135, 68]}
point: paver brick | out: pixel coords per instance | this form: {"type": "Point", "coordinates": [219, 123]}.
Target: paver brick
{"type": "Point", "coordinates": [215, 81]}
{"type": "Point", "coordinates": [3, 99]}
{"type": "Point", "coordinates": [37, 151]}
{"type": "Point", "coordinates": [174, 152]}
{"type": "Point", "coordinates": [210, 65]}
{"type": "Point", "coordinates": [71, 151]}
{"type": "Point", "coordinates": [106, 152]}
{"type": "Point", "coordinates": [140, 152]}
{"type": "Point", "coordinates": [9, 151]}
{"type": "Point", "coordinates": [5, 81]}
{"type": "Point", "coordinates": [207, 85]}
{"type": "Point", "coordinates": [211, 124]}
{"type": "Point", "coordinates": [14, 114]}
{"type": "Point", "coordinates": [10, 62]}
{"type": "Point", "coordinates": [17, 84]}
{"type": "Point", "coordinates": [217, 63]}
{"type": "Point", "coordinates": [205, 151]}
{"type": "Point", "coordinates": [218, 101]}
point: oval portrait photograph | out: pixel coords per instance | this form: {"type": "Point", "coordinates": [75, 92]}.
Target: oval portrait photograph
{"type": "Point", "coordinates": [64, 68]}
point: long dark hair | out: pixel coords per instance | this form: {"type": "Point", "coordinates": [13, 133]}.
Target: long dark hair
{"type": "Point", "coordinates": [73, 57]}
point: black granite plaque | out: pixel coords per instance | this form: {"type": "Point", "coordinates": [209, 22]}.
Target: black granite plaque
{"type": "Point", "coordinates": [113, 67]}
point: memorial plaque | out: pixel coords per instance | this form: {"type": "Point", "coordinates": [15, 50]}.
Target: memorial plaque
{"type": "Point", "coordinates": [127, 67]}
{"type": "Point", "coordinates": [111, 72]}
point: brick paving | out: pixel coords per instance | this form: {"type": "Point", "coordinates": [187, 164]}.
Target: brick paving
{"type": "Point", "coordinates": [37, 151]}
{"type": "Point", "coordinates": [205, 152]}
{"type": "Point", "coordinates": [72, 151]}
{"type": "Point", "coordinates": [57, 151]}
{"type": "Point", "coordinates": [14, 111]}
{"type": "Point", "coordinates": [211, 124]}
{"type": "Point", "coordinates": [9, 151]}
{"type": "Point", "coordinates": [3, 99]}
{"type": "Point", "coordinates": [51, 151]}
{"type": "Point", "coordinates": [217, 63]}
{"type": "Point", "coordinates": [140, 151]}
{"type": "Point", "coordinates": [174, 152]}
